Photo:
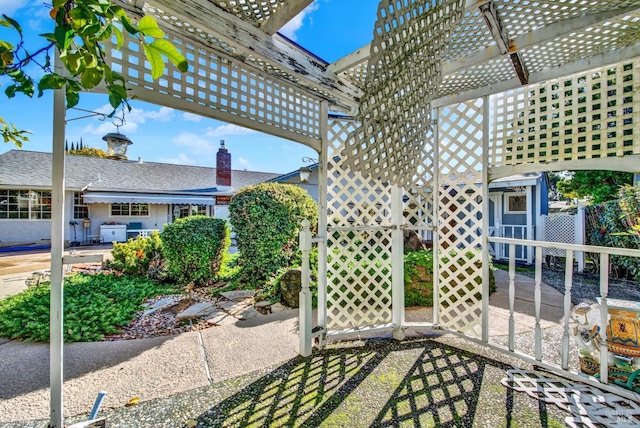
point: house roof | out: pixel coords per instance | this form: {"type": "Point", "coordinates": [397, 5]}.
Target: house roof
{"type": "Point", "coordinates": [27, 169]}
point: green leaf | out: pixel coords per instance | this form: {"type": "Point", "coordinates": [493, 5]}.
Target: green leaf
{"type": "Point", "coordinates": [149, 27]}
{"type": "Point", "coordinates": [91, 77]}
{"type": "Point", "coordinates": [154, 56]}
{"type": "Point", "coordinates": [120, 13]}
{"type": "Point", "coordinates": [63, 36]}
{"type": "Point", "coordinates": [13, 23]}
{"type": "Point", "coordinates": [172, 53]}
{"type": "Point", "coordinates": [119, 37]}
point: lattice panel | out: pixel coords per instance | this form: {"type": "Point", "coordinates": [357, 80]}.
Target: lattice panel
{"type": "Point", "coordinates": [595, 39]}
{"type": "Point", "coordinates": [521, 17]}
{"type": "Point", "coordinates": [460, 217]}
{"type": "Point", "coordinates": [589, 115]}
{"type": "Point", "coordinates": [352, 199]}
{"type": "Point", "coordinates": [359, 278]}
{"type": "Point", "coordinates": [359, 241]}
{"type": "Point", "coordinates": [559, 228]}
{"type": "Point", "coordinates": [254, 11]}
{"type": "Point", "coordinates": [403, 76]}
{"type": "Point", "coordinates": [223, 84]}
{"type": "Point", "coordinates": [493, 71]}
{"type": "Point", "coordinates": [418, 200]}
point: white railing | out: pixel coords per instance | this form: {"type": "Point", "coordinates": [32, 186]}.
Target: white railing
{"type": "Point", "coordinates": [537, 357]}
{"type": "Point", "coordinates": [514, 231]}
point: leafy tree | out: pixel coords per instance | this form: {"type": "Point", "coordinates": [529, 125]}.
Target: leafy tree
{"type": "Point", "coordinates": [596, 186]}
{"type": "Point", "coordinates": [89, 151]}
{"type": "Point", "coordinates": [81, 28]}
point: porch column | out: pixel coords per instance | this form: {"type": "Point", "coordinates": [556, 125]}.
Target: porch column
{"type": "Point", "coordinates": [485, 219]}
{"type": "Point", "coordinates": [56, 341]}
{"type": "Point", "coordinates": [397, 263]}
{"type": "Point", "coordinates": [322, 214]}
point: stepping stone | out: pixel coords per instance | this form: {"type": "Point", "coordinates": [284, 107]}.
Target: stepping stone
{"type": "Point", "coordinates": [221, 318]}
{"type": "Point", "coordinates": [159, 305]}
{"type": "Point", "coordinates": [262, 304]}
{"type": "Point", "coordinates": [233, 308]}
{"type": "Point", "coordinates": [278, 307]}
{"type": "Point", "coordinates": [199, 310]}
{"type": "Point", "coordinates": [238, 294]}
{"type": "Point", "coordinates": [248, 314]}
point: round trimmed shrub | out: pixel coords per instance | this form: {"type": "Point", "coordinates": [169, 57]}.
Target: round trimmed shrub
{"type": "Point", "coordinates": [266, 219]}
{"type": "Point", "coordinates": [194, 248]}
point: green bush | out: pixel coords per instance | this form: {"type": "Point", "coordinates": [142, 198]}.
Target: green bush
{"type": "Point", "coordinates": [614, 224]}
{"type": "Point", "coordinates": [266, 219]}
{"type": "Point", "coordinates": [418, 278]}
{"type": "Point", "coordinates": [94, 306]}
{"type": "Point", "coordinates": [418, 275]}
{"type": "Point", "coordinates": [194, 248]}
{"type": "Point", "coordinates": [141, 256]}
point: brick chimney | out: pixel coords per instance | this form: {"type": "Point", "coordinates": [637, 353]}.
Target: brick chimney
{"type": "Point", "coordinates": [223, 166]}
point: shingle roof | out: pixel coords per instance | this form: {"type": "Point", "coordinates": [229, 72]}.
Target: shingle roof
{"type": "Point", "coordinates": [21, 168]}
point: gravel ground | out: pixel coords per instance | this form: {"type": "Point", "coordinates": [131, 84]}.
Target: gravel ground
{"type": "Point", "coordinates": [375, 383]}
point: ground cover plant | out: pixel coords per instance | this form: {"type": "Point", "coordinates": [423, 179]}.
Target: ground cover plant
{"type": "Point", "coordinates": [94, 306]}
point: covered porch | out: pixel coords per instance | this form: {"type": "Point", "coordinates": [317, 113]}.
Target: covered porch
{"type": "Point", "coordinates": [449, 94]}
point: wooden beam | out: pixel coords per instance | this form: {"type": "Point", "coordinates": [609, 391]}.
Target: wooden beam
{"type": "Point", "coordinates": [354, 58]}
{"type": "Point", "coordinates": [309, 71]}
{"type": "Point", "coordinates": [283, 14]}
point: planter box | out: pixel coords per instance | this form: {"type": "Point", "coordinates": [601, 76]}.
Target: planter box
{"type": "Point", "coordinates": [113, 232]}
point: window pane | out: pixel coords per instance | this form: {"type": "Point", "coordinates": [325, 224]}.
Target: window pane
{"type": "Point", "coordinates": [119, 209]}
{"type": "Point", "coordinates": [518, 203]}
{"type": "Point", "coordinates": [80, 209]}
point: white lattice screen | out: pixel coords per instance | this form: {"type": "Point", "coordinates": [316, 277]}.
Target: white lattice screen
{"type": "Point", "coordinates": [589, 115]}
{"type": "Point", "coordinates": [358, 242]}
{"type": "Point", "coordinates": [460, 216]}
{"type": "Point", "coordinates": [225, 88]}
{"type": "Point", "coordinates": [559, 228]}
{"type": "Point", "coordinates": [418, 208]}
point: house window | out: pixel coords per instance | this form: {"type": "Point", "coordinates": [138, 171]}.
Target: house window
{"type": "Point", "coordinates": [516, 203]}
{"type": "Point", "coordinates": [80, 209]}
{"type": "Point", "coordinates": [189, 210]}
{"type": "Point", "coordinates": [25, 204]}
{"type": "Point", "coordinates": [134, 210]}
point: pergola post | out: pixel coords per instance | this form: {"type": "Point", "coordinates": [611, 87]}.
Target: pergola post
{"type": "Point", "coordinates": [397, 263]}
{"type": "Point", "coordinates": [56, 341]}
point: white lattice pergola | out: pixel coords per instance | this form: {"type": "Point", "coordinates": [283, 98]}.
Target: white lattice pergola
{"type": "Point", "coordinates": [410, 129]}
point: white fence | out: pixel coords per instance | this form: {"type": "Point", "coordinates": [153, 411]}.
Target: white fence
{"type": "Point", "coordinates": [566, 229]}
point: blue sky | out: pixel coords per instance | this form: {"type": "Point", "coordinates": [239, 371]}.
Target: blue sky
{"type": "Point", "coordinates": [328, 28]}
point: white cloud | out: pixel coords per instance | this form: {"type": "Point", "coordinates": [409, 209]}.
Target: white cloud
{"type": "Point", "coordinates": [108, 126]}
{"type": "Point", "coordinates": [9, 7]}
{"type": "Point", "coordinates": [181, 159]}
{"type": "Point", "coordinates": [291, 27]}
{"type": "Point", "coordinates": [132, 119]}
{"type": "Point", "coordinates": [228, 129]}
{"type": "Point", "coordinates": [244, 163]}
{"type": "Point", "coordinates": [194, 142]}
{"type": "Point", "coordinates": [190, 117]}
{"type": "Point", "coordinates": [165, 114]}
